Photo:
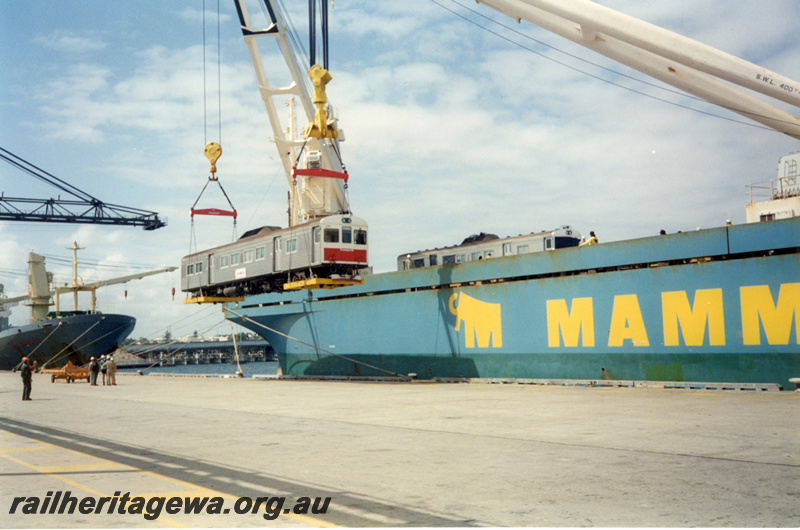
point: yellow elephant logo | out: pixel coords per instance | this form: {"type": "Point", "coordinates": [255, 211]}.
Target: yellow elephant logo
{"type": "Point", "coordinates": [481, 319]}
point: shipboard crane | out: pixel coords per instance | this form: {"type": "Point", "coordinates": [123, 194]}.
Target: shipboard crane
{"type": "Point", "coordinates": [691, 66]}
{"type": "Point", "coordinates": [324, 246]}
{"type": "Point", "coordinates": [313, 165]}
{"type": "Point", "coordinates": [77, 286]}
{"type": "Point", "coordinates": [40, 293]}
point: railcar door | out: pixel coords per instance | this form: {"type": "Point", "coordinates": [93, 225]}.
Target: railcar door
{"type": "Point", "coordinates": [315, 242]}
{"type": "Point", "coordinates": [211, 269]}
{"type": "Point", "coordinates": [276, 254]}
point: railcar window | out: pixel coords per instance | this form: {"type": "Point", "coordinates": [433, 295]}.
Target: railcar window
{"type": "Point", "coordinates": [449, 259]}
{"type": "Point", "coordinates": [548, 243]}
{"type": "Point", "coordinates": [419, 263]}
{"type": "Point", "coordinates": [566, 242]}
{"type": "Point", "coordinates": [507, 249]}
{"type": "Point", "coordinates": [475, 256]}
{"type": "Point", "coordinates": [248, 256]}
{"type": "Point", "coordinates": [361, 237]}
{"type": "Point", "coordinates": [189, 270]}
{"type": "Point", "coordinates": [291, 245]}
{"type": "Point", "coordinates": [235, 259]}
{"type": "Point", "coordinates": [260, 252]}
{"type": "Point", "coordinates": [522, 249]}
{"type": "Point", "coordinates": [316, 234]}
{"type": "Point", "coordinates": [347, 235]}
{"type": "Point", "coordinates": [461, 258]}
{"type": "Point", "coordinates": [223, 262]}
{"type": "Point", "coordinates": [331, 235]}
{"type": "Point", "coordinates": [433, 260]}
{"type": "Point", "coordinates": [198, 266]}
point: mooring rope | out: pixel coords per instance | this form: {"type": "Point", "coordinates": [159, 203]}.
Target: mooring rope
{"type": "Point", "coordinates": [58, 355]}
{"type": "Point", "coordinates": [318, 348]}
{"type": "Point", "coordinates": [101, 337]}
{"type": "Point", "coordinates": [30, 355]}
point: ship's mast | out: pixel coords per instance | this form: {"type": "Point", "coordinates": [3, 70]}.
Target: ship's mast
{"type": "Point", "coordinates": [40, 293]}
{"type": "Point", "coordinates": [310, 197]}
{"type": "Point", "coordinates": [75, 248]}
{"type": "Point", "coordinates": [684, 63]}
{"type": "Point", "coordinates": [77, 287]}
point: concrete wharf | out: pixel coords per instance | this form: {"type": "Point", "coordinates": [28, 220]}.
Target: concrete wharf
{"type": "Point", "coordinates": [402, 454]}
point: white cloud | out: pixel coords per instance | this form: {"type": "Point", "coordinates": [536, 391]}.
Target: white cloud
{"type": "Point", "coordinates": [211, 17]}
{"type": "Point", "coordinates": [69, 42]}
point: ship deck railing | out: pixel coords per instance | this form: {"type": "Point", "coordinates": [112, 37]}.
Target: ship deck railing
{"type": "Point", "coordinates": [773, 189]}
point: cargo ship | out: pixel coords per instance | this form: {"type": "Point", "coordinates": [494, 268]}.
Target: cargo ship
{"type": "Point", "coordinates": [714, 305]}
{"type": "Point", "coordinates": [717, 305]}
{"type": "Point", "coordinates": [54, 338]}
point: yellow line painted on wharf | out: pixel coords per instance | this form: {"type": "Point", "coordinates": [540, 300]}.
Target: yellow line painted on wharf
{"type": "Point", "coordinates": [192, 490]}
{"type": "Point", "coordinates": [73, 483]}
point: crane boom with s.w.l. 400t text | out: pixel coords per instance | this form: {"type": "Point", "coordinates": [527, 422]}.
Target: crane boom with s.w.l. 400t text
{"type": "Point", "coordinates": [691, 66]}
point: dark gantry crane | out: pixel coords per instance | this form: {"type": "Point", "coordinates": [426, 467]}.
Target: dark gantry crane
{"type": "Point", "coordinates": [83, 209]}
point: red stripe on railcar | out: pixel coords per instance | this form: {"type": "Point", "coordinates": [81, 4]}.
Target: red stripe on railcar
{"type": "Point", "coordinates": [339, 255]}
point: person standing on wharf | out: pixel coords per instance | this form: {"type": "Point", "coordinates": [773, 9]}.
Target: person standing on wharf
{"type": "Point", "coordinates": [25, 373]}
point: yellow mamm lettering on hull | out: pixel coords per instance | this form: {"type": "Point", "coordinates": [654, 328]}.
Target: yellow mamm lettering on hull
{"type": "Point", "coordinates": [627, 322]}
{"type": "Point", "coordinates": [759, 310]}
{"type": "Point", "coordinates": [692, 320]}
{"type": "Point", "coordinates": [570, 324]}
{"type": "Point", "coordinates": [481, 319]}
{"type": "Point", "coordinates": [777, 318]}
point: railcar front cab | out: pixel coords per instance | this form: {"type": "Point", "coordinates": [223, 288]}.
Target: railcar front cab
{"type": "Point", "coordinates": [340, 244]}
{"type": "Point", "coordinates": [564, 237]}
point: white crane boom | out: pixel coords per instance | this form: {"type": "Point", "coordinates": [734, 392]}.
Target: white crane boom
{"type": "Point", "coordinates": [684, 63]}
{"type": "Point", "coordinates": [124, 279]}
{"type": "Point", "coordinates": [310, 197]}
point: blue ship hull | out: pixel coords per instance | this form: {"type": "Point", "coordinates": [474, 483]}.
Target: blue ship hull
{"type": "Point", "coordinates": [719, 305]}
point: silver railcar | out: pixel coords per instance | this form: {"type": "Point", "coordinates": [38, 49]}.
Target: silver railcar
{"type": "Point", "coordinates": [263, 259]}
{"type": "Point", "coordinates": [482, 246]}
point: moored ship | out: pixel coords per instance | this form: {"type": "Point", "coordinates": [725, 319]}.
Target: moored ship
{"type": "Point", "coordinates": [716, 305]}
{"type": "Point", "coordinates": [54, 338]}
{"type": "Point", "coordinates": [75, 336]}
{"type": "Point", "coordinates": [712, 305]}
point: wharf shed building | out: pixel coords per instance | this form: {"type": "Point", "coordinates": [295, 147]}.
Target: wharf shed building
{"type": "Point", "coordinates": [202, 352]}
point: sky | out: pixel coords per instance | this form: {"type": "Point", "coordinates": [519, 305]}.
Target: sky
{"type": "Point", "coordinates": [457, 120]}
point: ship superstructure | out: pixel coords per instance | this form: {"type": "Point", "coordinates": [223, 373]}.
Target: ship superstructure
{"type": "Point", "coordinates": [778, 198]}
